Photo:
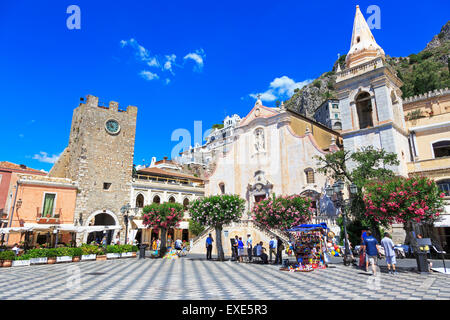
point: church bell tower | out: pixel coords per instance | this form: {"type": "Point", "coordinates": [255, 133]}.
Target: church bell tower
{"type": "Point", "coordinates": [370, 98]}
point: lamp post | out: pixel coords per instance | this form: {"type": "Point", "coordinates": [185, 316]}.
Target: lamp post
{"type": "Point", "coordinates": [124, 210]}
{"type": "Point", "coordinates": [342, 204]}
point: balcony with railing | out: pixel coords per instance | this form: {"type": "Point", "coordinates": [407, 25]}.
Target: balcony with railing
{"type": "Point", "coordinates": [48, 218]}
{"type": "Point", "coordinates": [169, 181]}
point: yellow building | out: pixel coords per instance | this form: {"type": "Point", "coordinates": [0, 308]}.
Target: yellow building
{"type": "Point", "coordinates": [428, 121]}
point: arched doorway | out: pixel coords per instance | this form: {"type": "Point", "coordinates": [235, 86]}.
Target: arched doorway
{"type": "Point", "coordinates": [156, 199]}
{"type": "Point", "coordinates": [172, 199]}
{"type": "Point", "coordinates": [101, 218]}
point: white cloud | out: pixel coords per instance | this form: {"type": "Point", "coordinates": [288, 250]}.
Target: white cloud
{"type": "Point", "coordinates": [147, 75]}
{"type": "Point", "coordinates": [142, 53]}
{"type": "Point", "coordinates": [170, 59]}
{"type": "Point", "coordinates": [280, 88]}
{"type": "Point", "coordinates": [265, 96]}
{"type": "Point", "coordinates": [197, 57]}
{"type": "Point", "coordinates": [44, 157]}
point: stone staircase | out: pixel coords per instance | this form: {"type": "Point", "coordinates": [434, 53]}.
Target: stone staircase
{"type": "Point", "coordinates": [241, 228]}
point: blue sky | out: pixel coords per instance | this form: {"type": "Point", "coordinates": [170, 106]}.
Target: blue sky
{"type": "Point", "coordinates": [177, 61]}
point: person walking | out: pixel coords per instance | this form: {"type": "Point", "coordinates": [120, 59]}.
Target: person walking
{"type": "Point", "coordinates": [272, 248]}
{"type": "Point", "coordinates": [240, 250]}
{"type": "Point", "coordinates": [249, 247]}
{"type": "Point", "coordinates": [235, 247]}
{"type": "Point", "coordinates": [209, 242]}
{"type": "Point", "coordinates": [389, 252]}
{"type": "Point", "coordinates": [280, 247]}
{"type": "Point", "coordinates": [370, 247]}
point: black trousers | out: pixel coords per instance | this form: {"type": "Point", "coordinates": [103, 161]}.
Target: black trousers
{"type": "Point", "coordinates": [278, 257]}
{"type": "Point", "coordinates": [208, 252]}
{"type": "Point", "coordinates": [249, 252]}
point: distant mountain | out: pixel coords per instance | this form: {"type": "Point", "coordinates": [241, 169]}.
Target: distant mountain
{"type": "Point", "coordinates": [428, 70]}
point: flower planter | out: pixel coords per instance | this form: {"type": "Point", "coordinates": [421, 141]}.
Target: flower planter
{"type": "Point", "coordinates": [76, 259]}
{"type": "Point", "coordinates": [101, 257]}
{"type": "Point", "coordinates": [127, 255]}
{"type": "Point", "coordinates": [7, 263]}
{"type": "Point", "coordinates": [63, 259]}
{"type": "Point", "coordinates": [38, 260]}
{"type": "Point", "coordinates": [113, 255]}
{"type": "Point", "coordinates": [51, 260]}
{"type": "Point", "coordinates": [21, 263]}
{"type": "Point", "coordinates": [88, 257]}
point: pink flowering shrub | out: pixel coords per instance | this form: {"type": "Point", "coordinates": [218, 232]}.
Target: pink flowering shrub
{"type": "Point", "coordinates": [282, 212]}
{"type": "Point", "coordinates": [165, 216]}
{"type": "Point", "coordinates": [403, 200]}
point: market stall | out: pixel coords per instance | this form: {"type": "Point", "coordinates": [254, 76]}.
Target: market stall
{"type": "Point", "coordinates": [308, 242]}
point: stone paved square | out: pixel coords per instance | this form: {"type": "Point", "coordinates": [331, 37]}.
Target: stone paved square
{"type": "Point", "coordinates": [193, 278]}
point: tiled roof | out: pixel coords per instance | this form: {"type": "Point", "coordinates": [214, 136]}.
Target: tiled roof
{"type": "Point", "coordinates": [17, 167]}
{"type": "Point", "coordinates": [166, 173]}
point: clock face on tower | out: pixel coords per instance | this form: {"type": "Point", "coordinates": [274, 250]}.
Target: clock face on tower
{"type": "Point", "coordinates": [112, 126]}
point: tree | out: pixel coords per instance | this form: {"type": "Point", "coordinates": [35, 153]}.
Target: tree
{"type": "Point", "coordinates": [401, 200]}
{"type": "Point", "coordinates": [368, 164]}
{"type": "Point", "coordinates": [162, 216]}
{"type": "Point", "coordinates": [195, 228]}
{"type": "Point", "coordinates": [216, 211]}
{"type": "Point", "coordinates": [282, 212]}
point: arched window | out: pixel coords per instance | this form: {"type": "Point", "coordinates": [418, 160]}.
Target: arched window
{"type": "Point", "coordinates": [364, 109]}
{"type": "Point", "coordinates": [185, 203]}
{"type": "Point", "coordinates": [156, 199]}
{"type": "Point", "coordinates": [172, 200]}
{"type": "Point", "coordinates": [309, 175]}
{"type": "Point", "coordinates": [222, 187]}
{"type": "Point", "coordinates": [140, 201]}
{"type": "Point", "coordinates": [337, 126]}
{"type": "Point", "coordinates": [441, 149]}
{"type": "Point", "coordinates": [444, 185]}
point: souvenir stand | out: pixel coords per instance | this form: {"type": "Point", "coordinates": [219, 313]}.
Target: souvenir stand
{"type": "Point", "coordinates": [309, 245]}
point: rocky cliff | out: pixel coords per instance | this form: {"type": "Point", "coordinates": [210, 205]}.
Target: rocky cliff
{"type": "Point", "coordinates": [426, 71]}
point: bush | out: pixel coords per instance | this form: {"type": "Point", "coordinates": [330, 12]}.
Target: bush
{"type": "Point", "coordinates": [23, 257]}
{"type": "Point", "coordinates": [52, 252]}
{"type": "Point", "coordinates": [316, 84]}
{"type": "Point", "coordinates": [37, 253]}
{"type": "Point", "coordinates": [64, 251]}
{"type": "Point", "coordinates": [88, 249]}
{"type": "Point", "coordinates": [77, 252]}
{"type": "Point", "coordinates": [7, 255]}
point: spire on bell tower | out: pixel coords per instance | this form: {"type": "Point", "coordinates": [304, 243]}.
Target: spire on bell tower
{"type": "Point", "coordinates": [363, 47]}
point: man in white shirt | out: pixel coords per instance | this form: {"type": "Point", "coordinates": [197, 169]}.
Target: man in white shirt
{"type": "Point", "coordinates": [389, 253]}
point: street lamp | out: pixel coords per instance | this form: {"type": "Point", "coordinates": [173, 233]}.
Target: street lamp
{"type": "Point", "coordinates": [124, 210]}
{"type": "Point", "coordinates": [339, 203]}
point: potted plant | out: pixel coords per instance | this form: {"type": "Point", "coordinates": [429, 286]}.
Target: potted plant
{"type": "Point", "coordinates": [52, 253]}
{"type": "Point", "coordinates": [125, 251]}
{"type": "Point", "coordinates": [7, 257]}
{"type": "Point", "coordinates": [113, 251]}
{"type": "Point", "coordinates": [38, 256]}
{"type": "Point", "coordinates": [63, 254]}
{"type": "Point", "coordinates": [21, 261]}
{"type": "Point", "coordinates": [76, 254]}
{"type": "Point", "coordinates": [89, 252]}
{"type": "Point", "coordinates": [101, 256]}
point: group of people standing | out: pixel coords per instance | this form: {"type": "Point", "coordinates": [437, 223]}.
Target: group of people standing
{"type": "Point", "coordinates": [240, 249]}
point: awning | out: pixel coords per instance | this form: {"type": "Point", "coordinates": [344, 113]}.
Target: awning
{"type": "Point", "coordinates": [138, 224]}
{"type": "Point", "coordinates": [444, 221]}
{"type": "Point", "coordinates": [89, 229]}
{"type": "Point", "coordinates": [13, 230]}
{"type": "Point", "coordinates": [68, 227]}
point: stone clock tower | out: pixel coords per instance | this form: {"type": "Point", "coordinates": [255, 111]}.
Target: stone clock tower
{"type": "Point", "coordinates": [99, 158]}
